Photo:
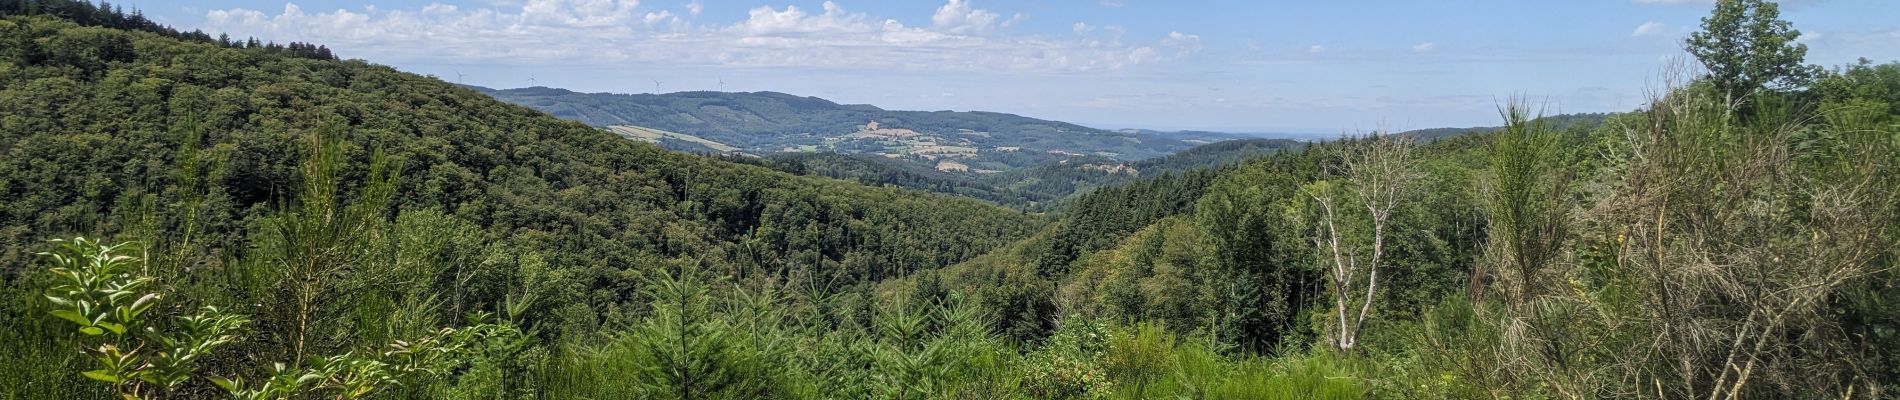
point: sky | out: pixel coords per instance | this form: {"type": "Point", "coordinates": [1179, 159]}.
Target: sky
{"type": "Point", "coordinates": [1310, 67]}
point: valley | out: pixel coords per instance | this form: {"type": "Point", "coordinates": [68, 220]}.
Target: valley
{"type": "Point", "coordinates": [767, 123]}
{"type": "Point", "coordinates": [191, 215]}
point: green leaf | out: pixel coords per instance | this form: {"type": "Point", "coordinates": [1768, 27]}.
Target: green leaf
{"type": "Point", "coordinates": [227, 384]}
{"type": "Point", "coordinates": [115, 328]}
{"type": "Point", "coordinates": [92, 330]}
{"type": "Point", "coordinates": [102, 375]}
{"type": "Point", "coordinates": [73, 316]}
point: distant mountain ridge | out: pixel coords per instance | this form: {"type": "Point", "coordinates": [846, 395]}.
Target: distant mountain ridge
{"type": "Point", "coordinates": [1559, 122]}
{"type": "Point", "coordinates": [1004, 158]}
{"type": "Point", "coordinates": [763, 123]}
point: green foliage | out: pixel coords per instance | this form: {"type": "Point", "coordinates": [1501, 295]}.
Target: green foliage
{"type": "Point", "coordinates": [373, 234]}
{"type": "Point", "coordinates": [1069, 364]}
{"type": "Point", "coordinates": [101, 294]}
{"type": "Point", "coordinates": [1139, 356]}
{"type": "Point", "coordinates": [98, 296]}
{"type": "Point", "coordinates": [343, 205]}
{"type": "Point", "coordinates": [1257, 252]}
{"type": "Point", "coordinates": [1161, 274]}
{"type": "Point", "coordinates": [1526, 205]}
{"type": "Point", "coordinates": [881, 171]}
{"type": "Point", "coordinates": [1317, 376]}
{"type": "Point", "coordinates": [1046, 186]}
{"type": "Point", "coordinates": [686, 353]}
{"type": "Point", "coordinates": [403, 364]}
{"type": "Point", "coordinates": [1746, 46]}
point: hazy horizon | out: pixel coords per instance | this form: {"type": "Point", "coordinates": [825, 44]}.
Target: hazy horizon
{"type": "Point", "coordinates": [1202, 65]}
{"type": "Point", "coordinates": [1294, 133]}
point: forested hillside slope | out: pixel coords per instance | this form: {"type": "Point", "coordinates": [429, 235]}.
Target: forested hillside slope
{"type": "Point", "coordinates": [1039, 188]}
{"type": "Point", "coordinates": [254, 222]}
{"type": "Point", "coordinates": [430, 201]}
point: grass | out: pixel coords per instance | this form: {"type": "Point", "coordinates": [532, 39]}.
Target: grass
{"type": "Point", "coordinates": [654, 135]}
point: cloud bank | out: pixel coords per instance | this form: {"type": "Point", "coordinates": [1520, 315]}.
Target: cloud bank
{"type": "Point", "coordinates": [959, 37]}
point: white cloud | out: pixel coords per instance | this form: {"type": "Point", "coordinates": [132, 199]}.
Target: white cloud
{"type": "Point", "coordinates": [586, 13]}
{"type": "Point", "coordinates": [959, 17]}
{"type": "Point", "coordinates": [765, 20]}
{"type": "Point", "coordinates": [615, 32]}
{"type": "Point", "coordinates": [1181, 38]}
{"type": "Point", "coordinates": [693, 8]}
{"type": "Point", "coordinates": [1015, 19]}
{"type": "Point", "coordinates": [1182, 43]}
{"type": "Point", "coordinates": [1423, 47]}
{"type": "Point", "coordinates": [1651, 28]}
{"type": "Point", "coordinates": [663, 16]}
{"type": "Point", "coordinates": [1316, 49]}
{"type": "Point", "coordinates": [1112, 3]}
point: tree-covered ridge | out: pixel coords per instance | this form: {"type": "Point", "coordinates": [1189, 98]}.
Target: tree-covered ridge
{"type": "Point", "coordinates": [107, 15]}
{"type": "Point", "coordinates": [1043, 187]}
{"type": "Point", "coordinates": [136, 117]}
{"type": "Point", "coordinates": [764, 123]}
{"type": "Point", "coordinates": [247, 224]}
{"type": "Point", "coordinates": [206, 154]}
{"type": "Point", "coordinates": [880, 171]}
{"type": "Point", "coordinates": [1560, 121]}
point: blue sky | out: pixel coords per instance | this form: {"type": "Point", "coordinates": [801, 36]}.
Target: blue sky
{"type": "Point", "coordinates": [1317, 67]}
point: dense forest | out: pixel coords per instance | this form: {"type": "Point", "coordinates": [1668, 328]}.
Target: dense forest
{"type": "Point", "coordinates": [395, 194]}
{"type": "Point", "coordinates": [1048, 186]}
{"type": "Point", "coordinates": [180, 218]}
{"type": "Point", "coordinates": [1037, 188]}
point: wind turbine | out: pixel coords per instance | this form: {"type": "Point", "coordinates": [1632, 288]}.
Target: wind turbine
{"type": "Point", "coordinates": [656, 86]}
{"type": "Point", "coordinates": [458, 77]}
{"type": "Point", "coordinates": [531, 81]}
{"type": "Point", "coordinates": [722, 84]}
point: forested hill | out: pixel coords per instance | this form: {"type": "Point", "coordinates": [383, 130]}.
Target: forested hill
{"type": "Point", "coordinates": [1560, 121]}
{"type": "Point", "coordinates": [187, 217]}
{"type": "Point", "coordinates": [88, 133]}
{"type": "Point", "coordinates": [764, 123]}
{"type": "Point", "coordinates": [1041, 188]}
{"type": "Point", "coordinates": [208, 154]}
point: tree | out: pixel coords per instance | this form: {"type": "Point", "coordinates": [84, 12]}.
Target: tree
{"type": "Point", "coordinates": [1382, 175]}
{"type": "Point", "coordinates": [1746, 46]}
{"type": "Point", "coordinates": [1707, 267]}
{"type": "Point", "coordinates": [1526, 202]}
{"type": "Point", "coordinates": [317, 248]}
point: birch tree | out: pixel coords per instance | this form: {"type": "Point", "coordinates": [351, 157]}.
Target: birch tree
{"type": "Point", "coordinates": [1352, 220]}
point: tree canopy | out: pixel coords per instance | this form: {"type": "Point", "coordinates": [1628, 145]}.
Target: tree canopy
{"type": "Point", "coordinates": [1746, 46]}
